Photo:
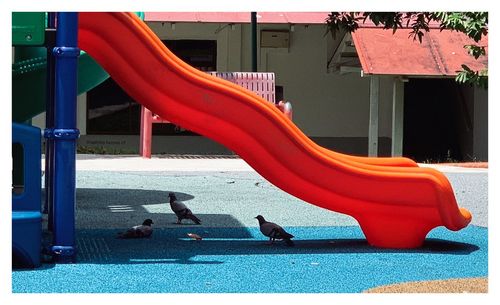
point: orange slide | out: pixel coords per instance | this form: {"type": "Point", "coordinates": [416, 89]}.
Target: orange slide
{"type": "Point", "coordinates": [395, 202]}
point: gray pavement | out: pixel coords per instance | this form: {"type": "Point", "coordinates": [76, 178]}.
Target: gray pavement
{"type": "Point", "coordinates": [118, 191]}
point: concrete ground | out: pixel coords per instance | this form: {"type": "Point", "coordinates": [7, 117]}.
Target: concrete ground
{"type": "Point", "coordinates": [209, 185]}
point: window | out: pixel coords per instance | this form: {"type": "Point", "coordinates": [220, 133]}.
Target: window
{"type": "Point", "coordinates": [111, 111]}
{"type": "Point", "coordinates": [201, 54]}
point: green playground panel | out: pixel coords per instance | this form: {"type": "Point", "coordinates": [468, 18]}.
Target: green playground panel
{"type": "Point", "coordinates": [29, 69]}
{"type": "Point", "coordinates": [28, 28]}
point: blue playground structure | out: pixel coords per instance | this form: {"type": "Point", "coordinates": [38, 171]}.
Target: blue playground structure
{"type": "Point", "coordinates": [60, 151]}
{"type": "Point", "coordinates": [26, 213]}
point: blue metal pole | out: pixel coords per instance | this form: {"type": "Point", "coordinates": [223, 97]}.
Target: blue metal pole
{"type": "Point", "coordinates": [253, 17]}
{"type": "Point", "coordinates": [64, 135]}
{"type": "Point", "coordinates": [49, 117]}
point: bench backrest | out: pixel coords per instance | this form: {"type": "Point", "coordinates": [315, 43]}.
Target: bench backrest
{"type": "Point", "coordinates": [261, 83]}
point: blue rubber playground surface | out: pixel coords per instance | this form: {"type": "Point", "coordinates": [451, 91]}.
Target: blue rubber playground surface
{"type": "Point", "coordinates": [330, 255]}
{"type": "Point", "coordinates": [228, 260]}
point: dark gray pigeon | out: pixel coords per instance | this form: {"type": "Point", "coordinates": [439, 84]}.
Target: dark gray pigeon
{"type": "Point", "coordinates": [181, 210]}
{"type": "Point", "coordinates": [140, 231]}
{"type": "Point", "coordinates": [274, 231]}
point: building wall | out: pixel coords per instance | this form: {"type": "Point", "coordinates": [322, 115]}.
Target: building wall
{"type": "Point", "coordinates": [228, 39]}
{"type": "Point", "coordinates": [473, 138]}
{"type": "Point", "coordinates": [325, 105]}
{"type": "Point", "coordinates": [480, 137]}
{"type": "Point", "coordinates": [331, 108]}
{"type": "Point", "coordinates": [81, 119]}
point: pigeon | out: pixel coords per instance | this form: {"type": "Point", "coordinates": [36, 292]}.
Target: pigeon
{"type": "Point", "coordinates": [140, 231]}
{"type": "Point", "coordinates": [274, 231]}
{"type": "Point", "coordinates": [181, 210]}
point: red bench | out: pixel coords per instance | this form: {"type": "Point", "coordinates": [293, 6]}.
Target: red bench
{"type": "Point", "coordinates": [261, 83]}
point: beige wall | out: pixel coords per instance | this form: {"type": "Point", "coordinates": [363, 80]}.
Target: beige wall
{"type": "Point", "coordinates": [480, 137]}
{"type": "Point", "coordinates": [81, 115]}
{"type": "Point", "coordinates": [324, 104]}
{"type": "Point", "coordinates": [228, 39]}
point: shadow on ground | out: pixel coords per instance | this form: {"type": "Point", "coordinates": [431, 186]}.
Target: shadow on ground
{"type": "Point", "coordinates": [123, 208]}
{"type": "Point", "coordinates": [95, 198]}
{"type": "Point", "coordinates": [174, 246]}
{"type": "Point", "coordinates": [97, 229]}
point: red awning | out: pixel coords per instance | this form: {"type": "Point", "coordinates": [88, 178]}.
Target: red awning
{"type": "Point", "coordinates": [239, 17]}
{"type": "Point", "coordinates": [441, 53]}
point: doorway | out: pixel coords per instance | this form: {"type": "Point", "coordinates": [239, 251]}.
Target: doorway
{"type": "Point", "coordinates": [430, 121]}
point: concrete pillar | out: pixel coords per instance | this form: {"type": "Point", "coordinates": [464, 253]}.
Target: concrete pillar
{"type": "Point", "coordinates": [397, 117]}
{"type": "Point", "coordinates": [373, 120]}
{"type": "Point", "coordinates": [81, 113]}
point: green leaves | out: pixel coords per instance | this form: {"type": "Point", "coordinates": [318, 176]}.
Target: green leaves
{"type": "Point", "coordinates": [475, 50]}
{"type": "Point", "coordinates": [468, 76]}
{"type": "Point", "coordinates": [420, 23]}
{"type": "Point", "coordinates": [473, 24]}
{"type": "Point", "coordinates": [389, 20]}
{"type": "Point", "coordinates": [342, 22]}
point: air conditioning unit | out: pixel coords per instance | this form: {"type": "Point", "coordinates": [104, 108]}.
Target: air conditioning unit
{"type": "Point", "coordinates": [274, 39]}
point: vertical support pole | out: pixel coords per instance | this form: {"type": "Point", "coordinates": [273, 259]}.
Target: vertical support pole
{"type": "Point", "coordinates": [397, 117]}
{"type": "Point", "coordinates": [49, 117]}
{"type": "Point", "coordinates": [146, 132]}
{"type": "Point", "coordinates": [64, 135]}
{"type": "Point", "coordinates": [254, 41]}
{"type": "Point", "coordinates": [373, 120]}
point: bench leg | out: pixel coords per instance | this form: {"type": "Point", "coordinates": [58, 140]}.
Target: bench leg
{"type": "Point", "coordinates": [146, 132]}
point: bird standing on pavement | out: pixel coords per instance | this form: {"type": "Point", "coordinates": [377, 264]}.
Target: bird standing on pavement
{"type": "Point", "coordinates": [140, 231]}
{"type": "Point", "coordinates": [274, 231]}
{"type": "Point", "coordinates": [181, 210]}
